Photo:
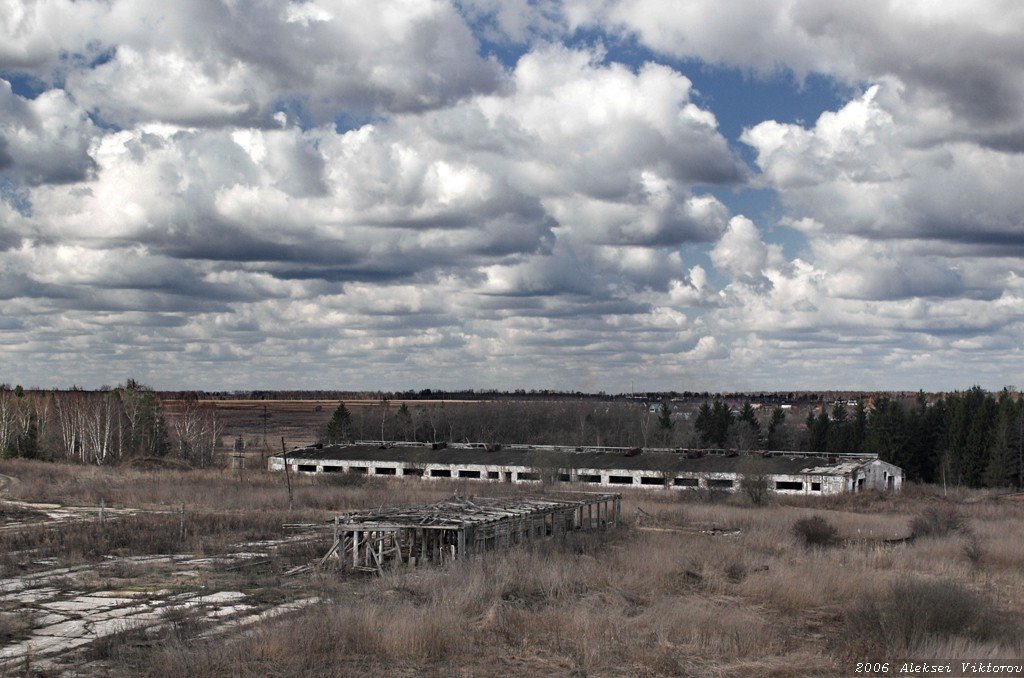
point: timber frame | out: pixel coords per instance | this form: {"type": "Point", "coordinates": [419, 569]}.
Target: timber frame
{"type": "Point", "coordinates": [393, 537]}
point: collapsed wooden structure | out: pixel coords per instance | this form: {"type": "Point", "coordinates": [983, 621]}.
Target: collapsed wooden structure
{"type": "Point", "coordinates": [388, 538]}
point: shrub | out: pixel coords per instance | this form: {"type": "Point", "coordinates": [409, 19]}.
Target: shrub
{"type": "Point", "coordinates": [938, 521]}
{"type": "Point", "coordinates": [816, 531]}
{"type": "Point", "coordinates": [917, 611]}
{"type": "Point", "coordinates": [755, 486]}
{"type": "Point", "coordinates": [14, 625]}
{"type": "Point", "coordinates": [972, 549]}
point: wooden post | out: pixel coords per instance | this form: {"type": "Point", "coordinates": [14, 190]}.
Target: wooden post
{"type": "Point", "coordinates": [287, 472]}
{"type": "Point", "coordinates": [461, 552]}
{"type": "Point", "coordinates": [355, 548]}
{"type": "Point", "coordinates": [102, 516]}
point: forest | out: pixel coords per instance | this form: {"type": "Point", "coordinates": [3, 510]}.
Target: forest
{"type": "Point", "coordinates": [972, 438]}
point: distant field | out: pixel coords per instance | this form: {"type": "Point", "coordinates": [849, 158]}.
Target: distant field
{"type": "Point", "coordinates": [298, 421]}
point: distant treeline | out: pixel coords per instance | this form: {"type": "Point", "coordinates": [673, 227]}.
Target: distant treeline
{"type": "Point", "coordinates": [106, 427]}
{"type": "Point", "coordinates": [529, 394]}
{"type": "Point", "coordinates": [972, 438]}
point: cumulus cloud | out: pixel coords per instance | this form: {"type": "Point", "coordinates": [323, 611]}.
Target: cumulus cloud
{"type": "Point", "coordinates": [974, 77]}
{"type": "Point", "coordinates": [862, 170]}
{"type": "Point", "coordinates": [323, 191]}
{"type": "Point", "coordinates": [742, 253]}
{"type": "Point", "coordinates": [562, 198]}
{"type": "Point", "coordinates": [209, 63]}
{"type": "Point", "coordinates": [44, 140]}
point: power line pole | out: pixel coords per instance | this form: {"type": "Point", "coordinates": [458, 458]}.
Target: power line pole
{"type": "Point", "coordinates": [287, 472]}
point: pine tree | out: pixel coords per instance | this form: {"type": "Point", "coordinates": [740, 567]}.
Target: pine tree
{"type": "Point", "coordinates": [860, 426]}
{"type": "Point", "coordinates": [665, 416]}
{"type": "Point", "coordinates": [338, 428]}
{"type": "Point", "coordinates": [819, 433]}
{"type": "Point", "coordinates": [721, 421]}
{"type": "Point", "coordinates": [703, 424]}
{"type": "Point", "coordinates": [748, 415]}
{"type": "Point", "coordinates": [774, 425]}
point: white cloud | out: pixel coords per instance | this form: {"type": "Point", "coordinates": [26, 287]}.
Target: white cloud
{"type": "Point", "coordinates": [202, 62]}
{"type": "Point", "coordinates": [741, 252]}
{"type": "Point", "coordinates": [547, 223]}
{"type": "Point", "coordinates": [44, 140]}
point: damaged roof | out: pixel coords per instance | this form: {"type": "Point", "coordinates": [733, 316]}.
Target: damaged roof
{"type": "Point", "coordinates": [648, 461]}
{"type": "Point", "coordinates": [460, 511]}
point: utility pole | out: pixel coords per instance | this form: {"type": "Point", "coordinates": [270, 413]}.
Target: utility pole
{"type": "Point", "coordinates": [287, 472]}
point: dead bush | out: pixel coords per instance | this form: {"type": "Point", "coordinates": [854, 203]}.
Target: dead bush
{"type": "Point", "coordinates": [972, 549]}
{"type": "Point", "coordinates": [816, 531]}
{"type": "Point", "coordinates": [736, 571]}
{"type": "Point", "coordinates": [116, 646]}
{"type": "Point", "coordinates": [14, 626]}
{"type": "Point", "coordinates": [916, 612]}
{"type": "Point", "coordinates": [938, 521]}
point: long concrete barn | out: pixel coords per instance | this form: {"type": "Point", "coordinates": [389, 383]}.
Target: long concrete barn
{"type": "Point", "coordinates": [792, 473]}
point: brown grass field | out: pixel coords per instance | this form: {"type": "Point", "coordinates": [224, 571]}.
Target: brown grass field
{"type": "Point", "coordinates": [664, 595]}
{"type": "Point", "coordinates": [298, 421]}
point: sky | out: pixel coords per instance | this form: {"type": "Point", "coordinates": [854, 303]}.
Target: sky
{"type": "Point", "coordinates": [573, 194]}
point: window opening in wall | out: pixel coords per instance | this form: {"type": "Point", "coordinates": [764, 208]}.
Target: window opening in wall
{"type": "Point", "coordinates": [440, 473]}
{"type": "Point", "coordinates": [357, 469]}
{"type": "Point", "coordinates": [588, 478]}
{"type": "Point", "coordinates": [412, 472]}
{"type": "Point", "coordinates": [564, 477]}
{"type": "Point", "coordinates": [308, 468]}
{"type": "Point", "coordinates": [469, 474]}
{"type": "Point", "coordinates": [528, 476]}
{"type": "Point", "coordinates": [493, 475]}
{"type": "Point", "coordinates": [648, 480]}
{"type": "Point", "coordinates": [719, 482]}
{"type": "Point", "coordinates": [384, 471]}
{"type": "Point", "coordinates": [620, 480]}
{"type": "Point", "coordinates": [686, 482]}
{"type": "Point", "coordinates": [788, 485]}
{"type": "Point", "coordinates": [815, 487]}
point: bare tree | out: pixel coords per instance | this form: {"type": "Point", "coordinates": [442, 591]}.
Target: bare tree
{"type": "Point", "coordinates": [754, 479]}
{"type": "Point", "coordinates": [8, 418]}
{"type": "Point", "coordinates": [102, 425]}
{"type": "Point", "coordinates": [69, 408]}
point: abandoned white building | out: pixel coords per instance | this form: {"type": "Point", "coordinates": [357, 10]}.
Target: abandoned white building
{"type": "Point", "coordinates": [785, 472]}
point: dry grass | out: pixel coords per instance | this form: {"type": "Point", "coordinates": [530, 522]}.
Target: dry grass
{"type": "Point", "coordinates": [918, 615]}
{"type": "Point", "coordinates": [670, 601]}
{"type": "Point", "coordinates": [217, 489]}
{"type": "Point", "coordinates": [147, 534]}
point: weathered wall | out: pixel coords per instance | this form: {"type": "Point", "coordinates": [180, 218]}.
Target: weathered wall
{"type": "Point", "coordinates": [874, 475]}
